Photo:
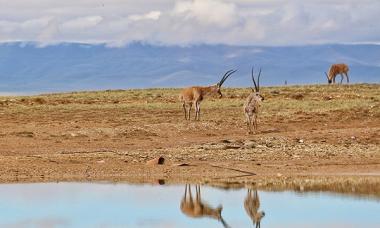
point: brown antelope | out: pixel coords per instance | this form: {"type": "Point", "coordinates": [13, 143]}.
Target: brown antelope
{"type": "Point", "coordinates": [252, 205]}
{"type": "Point", "coordinates": [253, 103]}
{"type": "Point", "coordinates": [195, 94]}
{"type": "Point", "coordinates": [195, 208]}
{"type": "Point", "coordinates": [336, 69]}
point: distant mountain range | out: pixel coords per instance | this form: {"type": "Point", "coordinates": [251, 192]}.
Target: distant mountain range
{"type": "Point", "coordinates": [27, 68]}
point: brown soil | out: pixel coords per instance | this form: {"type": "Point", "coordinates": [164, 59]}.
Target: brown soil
{"type": "Point", "coordinates": [110, 136]}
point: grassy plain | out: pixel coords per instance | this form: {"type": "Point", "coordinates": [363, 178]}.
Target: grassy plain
{"type": "Point", "coordinates": [305, 133]}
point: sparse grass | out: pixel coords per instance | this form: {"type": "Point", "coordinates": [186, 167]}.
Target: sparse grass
{"type": "Point", "coordinates": [338, 126]}
{"type": "Point", "coordinates": [278, 100]}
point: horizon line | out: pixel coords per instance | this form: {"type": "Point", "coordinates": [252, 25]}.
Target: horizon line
{"type": "Point", "coordinates": [52, 92]}
{"type": "Point", "coordinates": [39, 44]}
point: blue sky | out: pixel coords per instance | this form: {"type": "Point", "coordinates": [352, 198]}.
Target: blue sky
{"type": "Point", "coordinates": [186, 22]}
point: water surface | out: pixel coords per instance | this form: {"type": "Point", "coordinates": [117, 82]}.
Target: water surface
{"type": "Point", "coordinates": [123, 205]}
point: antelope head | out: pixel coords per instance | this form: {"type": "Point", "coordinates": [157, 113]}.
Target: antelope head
{"type": "Point", "coordinates": [328, 78]}
{"type": "Point", "coordinates": [256, 90]}
{"type": "Point", "coordinates": [216, 88]}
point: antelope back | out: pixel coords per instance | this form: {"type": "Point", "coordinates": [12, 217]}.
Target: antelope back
{"type": "Point", "coordinates": [337, 69]}
{"type": "Point", "coordinates": [187, 94]}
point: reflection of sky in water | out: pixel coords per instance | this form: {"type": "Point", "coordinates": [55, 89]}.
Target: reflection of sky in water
{"type": "Point", "coordinates": [121, 205]}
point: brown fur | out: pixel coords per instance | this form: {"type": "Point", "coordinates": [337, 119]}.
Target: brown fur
{"type": "Point", "coordinates": [196, 208]}
{"type": "Point", "coordinates": [194, 95]}
{"type": "Point", "coordinates": [336, 69]}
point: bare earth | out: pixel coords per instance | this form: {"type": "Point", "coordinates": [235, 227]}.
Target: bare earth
{"type": "Point", "coordinates": [306, 134]}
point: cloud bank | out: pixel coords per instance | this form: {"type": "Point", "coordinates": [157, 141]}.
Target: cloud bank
{"type": "Point", "coordinates": [186, 22]}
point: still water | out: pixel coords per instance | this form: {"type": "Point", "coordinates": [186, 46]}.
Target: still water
{"type": "Point", "coordinates": [123, 205]}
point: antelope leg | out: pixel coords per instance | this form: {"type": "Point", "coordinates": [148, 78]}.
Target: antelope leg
{"type": "Point", "coordinates": [199, 111]}
{"type": "Point", "coordinates": [184, 109]}
{"type": "Point", "coordinates": [189, 110]}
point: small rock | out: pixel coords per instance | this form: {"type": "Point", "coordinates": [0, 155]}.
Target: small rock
{"type": "Point", "coordinates": [279, 174]}
{"type": "Point", "coordinates": [249, 144]}
{"type": "Point", "coordinates": [100, 161]}
{"type": "Point", "coordinates": [156, 161]}
{"type": "Point", "coordinates": [268, 144]}
{"type": "Point", "coordinates": [226, 141]}
{"type": "Point", "coordinates": [300, 140]}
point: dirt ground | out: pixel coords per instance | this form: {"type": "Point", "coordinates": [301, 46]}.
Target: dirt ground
{"type": "Point", "coordinates": [305, 133]}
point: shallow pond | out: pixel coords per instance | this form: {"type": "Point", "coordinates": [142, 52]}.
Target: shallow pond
{"type": "Point", "coordinates": [123, 205]}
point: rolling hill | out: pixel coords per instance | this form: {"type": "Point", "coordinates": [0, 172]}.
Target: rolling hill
{"type": "Point", "coordinates": [28, 68]}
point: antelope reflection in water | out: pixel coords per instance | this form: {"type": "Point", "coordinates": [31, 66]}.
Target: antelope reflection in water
{"type": "Point", "coordinates": [196, 208]}
{"type": "Point", "coordinates": [252, 205]}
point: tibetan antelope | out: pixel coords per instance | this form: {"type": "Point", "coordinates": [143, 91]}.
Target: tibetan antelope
{"type": "Point", "coordinates": [253, 103]}
{"type": "Point", "coordinates": [336, 69]}
{"type": "Point", "coordinates": [252, 205]}
{"type": "Point", "coordinates": [194, 95]}
{"type": "Point", "coordinates": [196, 208]}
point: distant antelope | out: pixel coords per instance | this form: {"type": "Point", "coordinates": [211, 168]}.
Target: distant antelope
{"type": "Point", "coordinates": [195, 208]}
{"type": "Point", "coordinates": [252, 205]}
{"type": "Point", "coordinates": [253, 103]}
{"type": "Point", "coordinates": [194, 95]}
{"type": "Point", "coordinates": [336, 69]}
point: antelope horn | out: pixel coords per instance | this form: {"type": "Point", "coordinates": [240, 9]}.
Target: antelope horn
{"type": "Point", "coordinates": [229, 75]}
{"type": "Point", "coordinates": [221, 80]}
{"type": "Point", "coordinates": [327, 76]}
{"type": "Point", "coordinates": [225, 76]}
{"type": "Point", "coordinates": [258, 81]}
{"type": "Point", "coordinates": [253, 79]}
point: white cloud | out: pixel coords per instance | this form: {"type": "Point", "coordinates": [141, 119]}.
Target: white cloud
{"type": "Point", "coordinates": [35, 23]}
{"type": "Point", "coordinates": [152, 15]}
{"type": "Point", "coordinates": [241, 22]}
{"type": "Point", "coordinates": [208, 12]}
{"type": "Point", "coordinates": [82, 23]}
